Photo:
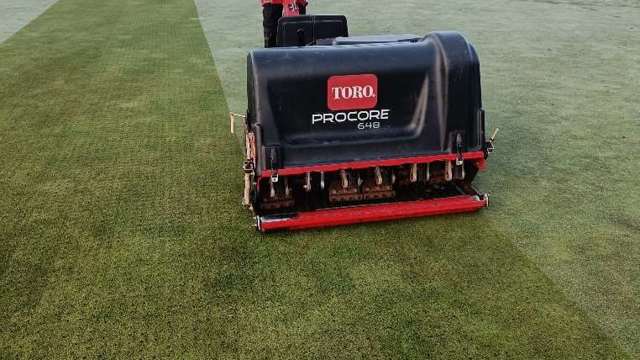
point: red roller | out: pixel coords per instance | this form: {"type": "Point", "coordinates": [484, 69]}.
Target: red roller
{"type": "Point", "coordinates": [373, 213]}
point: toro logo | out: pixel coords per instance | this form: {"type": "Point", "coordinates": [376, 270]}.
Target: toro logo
{"type": "Point", "coordinates": [349, 92]}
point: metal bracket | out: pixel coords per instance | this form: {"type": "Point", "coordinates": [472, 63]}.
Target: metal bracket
{"type": "Point", "coordinates": [248, 167]}
{"type": "Point", "coordinates": [490, 144]}
{"type": "Point", "coordinates": [307, 182]}
{"type": "Point", "coordinates": [448, 171]}
{"type": "Point", "coordinates": [232, 120]}
{"type": "Point", "coordinates": [413, 177]}
{"type": "Point", "coordinates": [459, 145]}
{"type": "Point", "coordinates": [378, 175]}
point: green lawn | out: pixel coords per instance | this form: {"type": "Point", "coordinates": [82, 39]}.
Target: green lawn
{"type": "Point", "coordinates": [123, 236]}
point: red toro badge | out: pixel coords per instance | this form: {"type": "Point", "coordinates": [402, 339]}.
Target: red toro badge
{"type": "Point", "coordinates": [352, 92]}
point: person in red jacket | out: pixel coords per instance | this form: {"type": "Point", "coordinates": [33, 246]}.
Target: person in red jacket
{"type": "Point", "coordinates": [271, 13]}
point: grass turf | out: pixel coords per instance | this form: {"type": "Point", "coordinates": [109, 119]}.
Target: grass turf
{"type": "Point", "coordinates": [123, 236]}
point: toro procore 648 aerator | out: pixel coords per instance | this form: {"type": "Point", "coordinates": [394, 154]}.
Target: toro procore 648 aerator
{"type": "Point", "coordinates": [343, 130]}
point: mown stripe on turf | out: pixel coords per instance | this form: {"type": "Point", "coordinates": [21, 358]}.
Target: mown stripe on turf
{"type": "Point", "coordinates": [115, 176]}
{"type": "Point", "coordinates": [231, 29]}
